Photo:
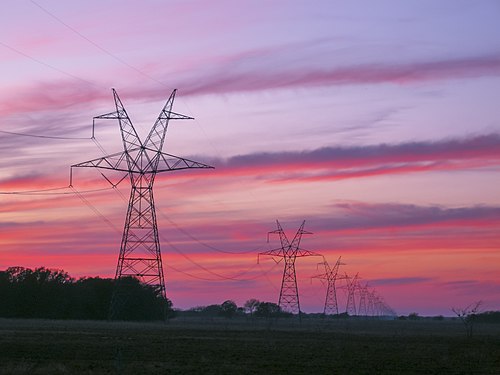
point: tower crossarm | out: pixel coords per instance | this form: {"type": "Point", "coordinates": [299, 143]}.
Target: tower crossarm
{"type": "Point", "coordinates": [298, 236]}
{"type": "Point", "coordinates": [129, 135]}
{"type": "Point", "coordinates": [283, 238]}
{"type": "Point", "coordinates": [275, 253]}
{"type": "Point", "coordinates": [118, 162]}
{"type": "Point", "coordinates": [169, 162]}
{"type": "Point", "coordinates": [330, 273]}
{"type": "Point", "coordinates": [130, 138]}
{"type": "Point", "coordinates": [306, 253]}
{"type": "Point", "coordinates": [156, 136]}
{"type": "Point", "coordinates": [323, 276]}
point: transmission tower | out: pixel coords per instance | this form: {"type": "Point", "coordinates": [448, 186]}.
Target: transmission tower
{"type": "Point", "coordinates": [140, 255]}
{"type": "Point", "coordinates": [330, 275]}
{"type": "Point", "coordinates": [363, 295]}
{"type": "Point", "coordinates": [351, 288]}
{"type": "Point", "coordinates": [289, 293]}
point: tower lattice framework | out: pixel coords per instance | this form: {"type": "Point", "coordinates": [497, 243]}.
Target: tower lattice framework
{"type": "Point", "coordinates": [140, 255]}
{"type": "Point", "coordinates": [289, 251]}
{"type": "Point", "coordinates": [331, 275]}
{"type": "Point", "coordinates": [363, 303]}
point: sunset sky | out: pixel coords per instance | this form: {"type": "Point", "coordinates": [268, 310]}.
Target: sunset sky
{"type": "Point", "coordinates": [376, 122]}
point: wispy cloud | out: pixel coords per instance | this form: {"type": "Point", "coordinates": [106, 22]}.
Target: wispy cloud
{"type": "Point", "coordinates": [400, 281]}
{"type": "Point", "coordinates": [46, 96]}
{"type": "Point", "coordinates": [332, 163]}
{"type": "Point", "coordinates": [336, 163]}
{"type": "Point", "coordinates": [233, 78]}
{"type": "Point", "coordinates": [251, 71]}
{"type": "Point", "coordinates": [364, 216]}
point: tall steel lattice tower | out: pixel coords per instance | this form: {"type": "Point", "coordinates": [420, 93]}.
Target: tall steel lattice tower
{"type": "Point", "coordinates": [331, 276]}
{"type": "Point", "coordinates": [289, 294]}
{"type": "Point", "coordinates": [140, 255]}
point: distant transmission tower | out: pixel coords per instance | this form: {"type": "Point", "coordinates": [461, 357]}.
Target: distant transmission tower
{"type": "Point", "coordinates": [140, 255]}
{"type": "Point", "coordinates": [370, 309]}
{"type": "Point", "coordinates": [330, 275]}
{"type": "Point", "coordinates": [289, 294]}
{"type": "Point", "coordinates": [351, 288]}
{"type": "Point", "coordinates": [363, 296]}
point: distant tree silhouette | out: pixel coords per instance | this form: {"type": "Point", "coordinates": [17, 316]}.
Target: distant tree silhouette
{"type": "Point", "coordinates": [228, 309]}
{"type": "Point", "coordinates": [468, 315]}
{"type": "Point", "coordinates": [211, 310]}
{"type": "Point", "coordinates": [413, 316]}
{"type": "Point", "coordinates": [250, 305]}
{"type": "Point", "coordinates": [488, 317]}
{"type": "Point", "coordinates": [268, 310]}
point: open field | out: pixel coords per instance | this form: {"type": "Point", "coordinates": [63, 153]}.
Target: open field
{"type": "Point", "coordinates": [230, 346]}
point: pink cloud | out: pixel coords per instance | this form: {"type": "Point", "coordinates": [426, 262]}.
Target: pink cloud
{"type": "Point", "coordinates": [337, 163]}
{"type": "Point", "coordinates": [245, 73]}
{"type": "Point", "coordinates": [50, 96]}
{"type": "Point", "coordinates": [228, 79]}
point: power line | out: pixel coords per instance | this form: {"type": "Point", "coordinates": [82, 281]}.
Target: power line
{"type": "Point", "coordinates": [189, 259]}
{"type": "Point", "coordinates": [186, 233]}
{"type": "Point", "coordinates": [220, 277]}
{"type": "Point", "coordinates": [43, 136]}
{"type": "Point", "coordinates": [50, 66]}
{"type": "Point", "coordinates": [120, 60]}
{"type": "Point", "coordinates": [234, 277]}
{"type": "Point", "coordinates": [96, 45]}
{"type": "Point", "coordinates": [262, 272]}
{"type": "Point", "coordinates": [191, 275]}
{"type": "Point", "coordinates": [94, 209]}
{"type": "Point", "coordinates": [50, 191]}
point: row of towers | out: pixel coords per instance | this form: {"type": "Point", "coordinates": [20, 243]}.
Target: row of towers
{"type": "Point", "coordinates": [360, 300]}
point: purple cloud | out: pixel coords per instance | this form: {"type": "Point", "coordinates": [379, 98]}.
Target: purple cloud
{"type": "Point", "coordinates": [400, 281]}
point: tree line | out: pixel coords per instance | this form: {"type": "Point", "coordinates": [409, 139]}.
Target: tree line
{"type": "Point", "coordinates": [53, 294]}
{"type": "Point", "coordinates": [229, 309]}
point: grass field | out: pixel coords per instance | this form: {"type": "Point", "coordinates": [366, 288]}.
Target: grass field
{"type": "Point", "coordinates": [227, 346]}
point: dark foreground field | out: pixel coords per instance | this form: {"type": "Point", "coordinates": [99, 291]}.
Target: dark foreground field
{"type": "Point", "coordinates": [247, 347]}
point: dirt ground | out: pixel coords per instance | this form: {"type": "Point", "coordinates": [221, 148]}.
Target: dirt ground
{"type": "Point", "coordinates": [247, 346]}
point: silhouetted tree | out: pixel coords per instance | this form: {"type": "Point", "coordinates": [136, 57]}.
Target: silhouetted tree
{"type": "Point", "coordinates": [39, 293]}
{"type": "Point", "coordinates": [413, 316]}
{"type": "Point", "coordinates": [250, 305]}
{"type": "Point", "coordinates": [92, 298]}
{"type": "Point", "coordinates": [468, 315]}
{"type": "Point", "coordinates": [228, 309]}
{"type": "Point", "coordinates": [212, 310]}
{"type": "Point", "coordinates": [141, 302]}
{"type": "Point", "coordinates": [268, 310]}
